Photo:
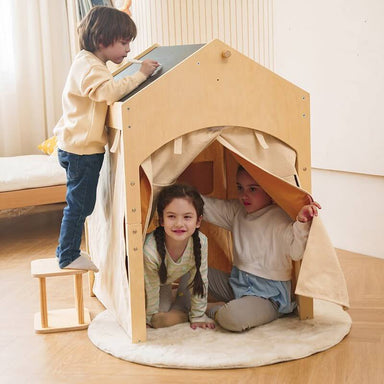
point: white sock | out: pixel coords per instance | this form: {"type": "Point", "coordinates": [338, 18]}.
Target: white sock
{"type": "Point", "coordinates": [83, 262]}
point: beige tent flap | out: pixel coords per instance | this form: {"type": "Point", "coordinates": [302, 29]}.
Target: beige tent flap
{"type": "Point", "coordinates": [320, 274]}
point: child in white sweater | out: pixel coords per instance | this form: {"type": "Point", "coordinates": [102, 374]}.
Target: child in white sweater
{"type": "Point", "coordinates": [105, 34]}
{"type": "Point", "coordinates": [265, 241]}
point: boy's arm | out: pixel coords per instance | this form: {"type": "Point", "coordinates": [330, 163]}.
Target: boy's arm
{"type": "Point", "coordinates": [307, 212]}
{"type": "Point", "coordinates": [219, 212]}
{"type": "Point", "coordinates": [298, 236]}
{"type": "Point", "coordinates": [99, 85]}
{"type": "Point", "coordinates": [301, 227]}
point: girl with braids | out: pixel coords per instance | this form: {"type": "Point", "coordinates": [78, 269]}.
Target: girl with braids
{"type": "Point", "coordinates": [177, 250]}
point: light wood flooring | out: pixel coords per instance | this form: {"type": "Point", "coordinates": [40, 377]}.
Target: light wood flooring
{"type": "Point", "coordinates": [70, 357]}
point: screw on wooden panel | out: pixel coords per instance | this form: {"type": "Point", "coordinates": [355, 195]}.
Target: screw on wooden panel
{"type": "Point", "coordinates": [305, 168]}
{"type": "Point", "coordinates": [226, 54]}
{"type": "Point", "coordinates": [303, 98]}
{"type": "Point", "coordinates": [134, 231]}
{"type": "Point", "coordinates": [132, 183]}
{"type": "Point", "coordinates": [129, 126]}
{"type": "Point", "coordinates": [304, 115]}
{"type": "Point", "coordinates": [133, 209]}
{"type": "Point", "coordinates": [135, 249]}
{"type": "Point", "coordinates": [128, 109]}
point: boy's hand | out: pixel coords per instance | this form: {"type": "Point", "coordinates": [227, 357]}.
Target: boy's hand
{"type": "Point", "coordinates": [204, 325]}
{"type": "Point", "coordinates": [148, 67]}
{"type": "Point", "coordinates": [307, 212]}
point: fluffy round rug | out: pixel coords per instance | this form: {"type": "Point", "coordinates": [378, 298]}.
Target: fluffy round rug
{"type": "Point", "coordinates": [179, 346]}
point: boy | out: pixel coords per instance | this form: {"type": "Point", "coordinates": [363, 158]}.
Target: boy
{"type": "Point", "coordinates": [265, 240]}
{"type": "Point", "coordinates": [105, 34]}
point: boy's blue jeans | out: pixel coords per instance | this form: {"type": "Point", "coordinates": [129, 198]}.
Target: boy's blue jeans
{"type": "Point", "coordinates": [82, 178]}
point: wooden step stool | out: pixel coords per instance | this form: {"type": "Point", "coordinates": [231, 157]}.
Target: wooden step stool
{"type": "Point", "coordinates": [60, 319]}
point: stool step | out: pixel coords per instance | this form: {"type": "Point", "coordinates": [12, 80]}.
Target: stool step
{"type": "Point", "coordinates": [61, 320]}
{"type": "Point", "coordinates": [50, 267]}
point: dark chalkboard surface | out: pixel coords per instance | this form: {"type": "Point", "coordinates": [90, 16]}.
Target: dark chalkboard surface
{"type": "Point", "coordinates": [168, 57]}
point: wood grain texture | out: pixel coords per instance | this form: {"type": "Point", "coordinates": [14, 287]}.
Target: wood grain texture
{"type": "Point", "coordinates": [32, 196]}
{"type": "Point", "coordinates": [70, 357]}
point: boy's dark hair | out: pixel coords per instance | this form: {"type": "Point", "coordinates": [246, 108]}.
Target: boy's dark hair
{"type": "Point", "coordinates": [105, 25]}
{"type": "Point", "coordinates": [165, 197]}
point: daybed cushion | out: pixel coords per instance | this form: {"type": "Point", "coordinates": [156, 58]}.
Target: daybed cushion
{"type": "Point", "coordinates": [30, 171]}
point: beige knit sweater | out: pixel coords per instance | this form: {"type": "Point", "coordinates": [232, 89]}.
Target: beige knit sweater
{"type": "Point", "coordinates": [88, 91]}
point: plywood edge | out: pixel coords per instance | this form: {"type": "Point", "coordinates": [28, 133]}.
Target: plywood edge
{"type": "Point", "coordinates": [33, 196]}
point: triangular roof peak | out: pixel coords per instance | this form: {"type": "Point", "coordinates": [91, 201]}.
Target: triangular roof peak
{"type": "Point", "coordinates": [211, 85]}
{"type": "Point", "coordinates": [172, 57]}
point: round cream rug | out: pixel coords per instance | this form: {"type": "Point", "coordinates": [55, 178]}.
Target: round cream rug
{"type": "Point", "coordinates": [179, 346]}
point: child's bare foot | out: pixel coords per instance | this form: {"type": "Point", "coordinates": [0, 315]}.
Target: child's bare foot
{"type": "Point", "coordinates": [167, 319]}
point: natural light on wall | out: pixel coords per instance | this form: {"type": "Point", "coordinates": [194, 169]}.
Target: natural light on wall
{"type": "Point", "coordinates": [7, 64]}
{"type": "Point", "coordinates": [246, 25]}
{"type": "Point", "coordinates": [35, 61]}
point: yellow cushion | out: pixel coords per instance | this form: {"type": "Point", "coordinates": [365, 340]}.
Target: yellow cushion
{"type": "Point", "coordinates": [49, 146]}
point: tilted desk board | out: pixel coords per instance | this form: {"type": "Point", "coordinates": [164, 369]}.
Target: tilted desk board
{"type": "Point", "coordinates": [168, 57]}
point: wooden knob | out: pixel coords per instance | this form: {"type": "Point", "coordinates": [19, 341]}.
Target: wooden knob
{"type": "Point", "coordinates": [226, 54]}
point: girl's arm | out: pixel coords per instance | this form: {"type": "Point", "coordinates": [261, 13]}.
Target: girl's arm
{"type": "Point", "coordinates": [152, 282]}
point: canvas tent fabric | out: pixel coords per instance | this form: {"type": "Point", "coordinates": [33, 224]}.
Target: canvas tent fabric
{"type": "Point", "coordinates": [320, 276]}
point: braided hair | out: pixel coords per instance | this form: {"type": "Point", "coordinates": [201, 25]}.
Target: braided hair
{"type": "Point", "coordinates": [166, 196]}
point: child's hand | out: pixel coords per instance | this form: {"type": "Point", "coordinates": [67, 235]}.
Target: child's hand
{"type": "Point", "coordinates": [307, 212]}
{"type": "Point", "coordinates": [204, 325]}
{"type": "Point", "coordinates": [148, 67]}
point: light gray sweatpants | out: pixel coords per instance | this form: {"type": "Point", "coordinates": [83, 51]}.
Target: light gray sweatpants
{"type": "Point", "coordinates": [237, 314]}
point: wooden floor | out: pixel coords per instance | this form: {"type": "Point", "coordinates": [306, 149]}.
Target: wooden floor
{"type": "Point", "coordinates": [70, 357]}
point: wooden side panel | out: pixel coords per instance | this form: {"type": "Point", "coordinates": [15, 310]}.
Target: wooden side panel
{"type": "Point", "coordinates": [33, 196]}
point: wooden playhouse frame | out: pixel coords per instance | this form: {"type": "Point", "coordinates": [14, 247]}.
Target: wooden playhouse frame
{"type": "Point", "coordinates": [214, 86]}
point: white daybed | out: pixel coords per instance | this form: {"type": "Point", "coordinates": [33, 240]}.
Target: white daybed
{"type": "Point", "coordinates": [31, 180]}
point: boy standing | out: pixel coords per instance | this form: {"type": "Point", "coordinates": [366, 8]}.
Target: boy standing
{"type": "Point", "coordinates": [105, 34]}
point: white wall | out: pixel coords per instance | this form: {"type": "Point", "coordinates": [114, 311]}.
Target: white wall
{"type": "Point", "coordinates": [332, 49]}
{"type": "Point", "coordinates": [352, 210]}
{"type": "Point", "coordinates": [335, 51]}
{"type": "Point", "coordinates": [243, 24]}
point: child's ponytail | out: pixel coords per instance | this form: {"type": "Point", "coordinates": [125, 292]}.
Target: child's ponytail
{"type": "Point", "coordinates": [160, 246]}
{"type": "Point", "coordinates": [198, 285]}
